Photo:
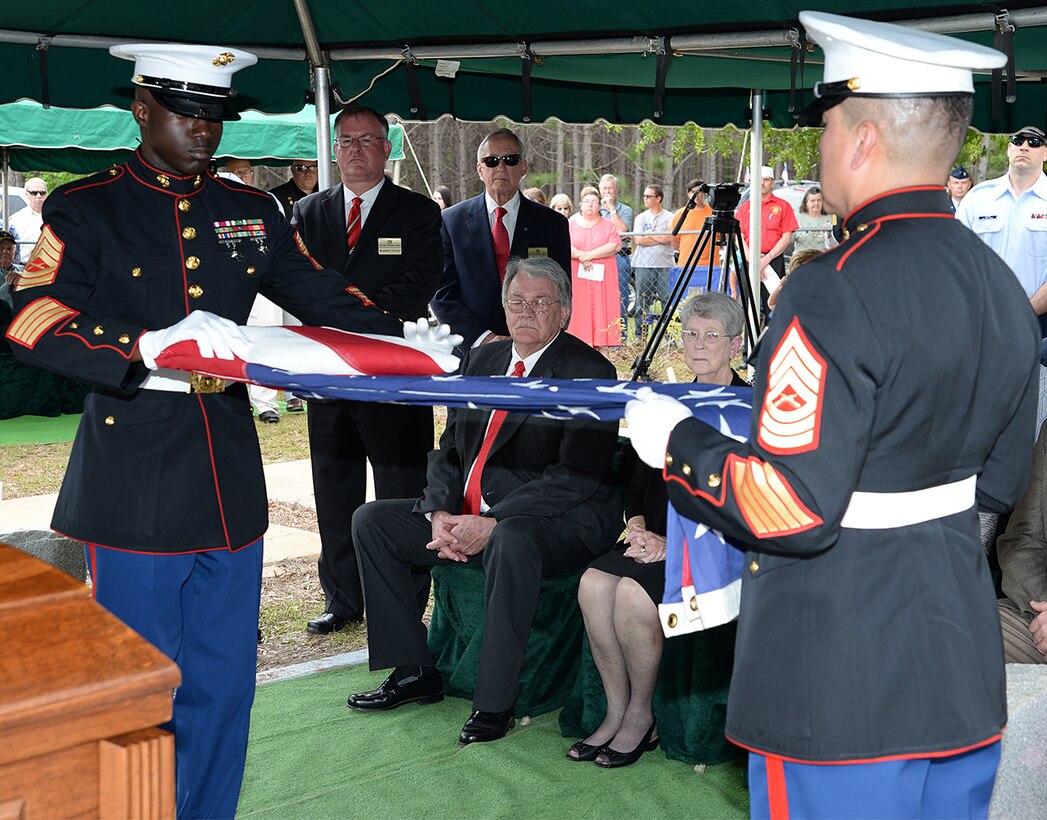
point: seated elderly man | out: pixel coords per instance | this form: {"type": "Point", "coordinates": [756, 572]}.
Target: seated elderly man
{"type": "Point", "coordinates": [526, 496]}
{"type": "Point", "coordinates": [1022, 551]}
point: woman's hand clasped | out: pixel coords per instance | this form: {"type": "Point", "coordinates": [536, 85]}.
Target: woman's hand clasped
{"type": "Point", "coordinates": [644, 546]}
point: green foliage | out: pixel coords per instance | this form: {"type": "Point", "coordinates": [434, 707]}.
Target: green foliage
{"type": "Point", "coordinates": [797, 147]}
{"type": "Point", "coordinates": [55, 178]}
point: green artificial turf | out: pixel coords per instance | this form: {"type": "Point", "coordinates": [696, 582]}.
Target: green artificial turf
{"type": "Point", "coordinates": [311, 757]}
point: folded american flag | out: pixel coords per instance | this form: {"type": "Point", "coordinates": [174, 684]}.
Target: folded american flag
{"type": "Point", "coordinates": [703, 570]}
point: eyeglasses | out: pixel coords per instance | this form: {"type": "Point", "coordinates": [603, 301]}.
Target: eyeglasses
{"type": "Point", "coordinates": [650, 196]}
{"type": "Point", "coordinates": [539, 306]}
{"type": "Point", "coordinates": [509, 159]}
{"type": "Point", "coordinates": [1021, 139]}
{"type": "Point", "coordinates": [44, 193]}
{"type": "Point", "coordinates": [305, 168]}
{"type": "Point", "coordinates": [364, 141]}
{"type": "Point", "coordinates": [711, 336]}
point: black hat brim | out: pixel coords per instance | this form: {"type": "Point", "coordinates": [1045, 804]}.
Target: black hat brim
{"type": "Point", "coordinates": [812, 114]}
{"type": "Point", "coordinates": [196, 106]}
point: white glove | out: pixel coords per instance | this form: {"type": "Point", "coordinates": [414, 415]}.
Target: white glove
{"type": "Point", "coordinates": [432, 340]}
{"type": "Point", "coordinates": [652, 418]}
{"type": "Point", "coordinates": [215, 336]}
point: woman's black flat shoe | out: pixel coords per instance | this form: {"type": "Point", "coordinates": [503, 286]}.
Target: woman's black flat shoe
{"type": "Point", "coordinates": [616, 759]}
{"type": "Point", "coordinates": [584, 750]}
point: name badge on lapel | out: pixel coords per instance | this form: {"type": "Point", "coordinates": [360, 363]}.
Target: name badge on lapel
{"type": "Point", "coordinates": [390, 246]}
{"type": "Point", "coordinates": [537, 252]}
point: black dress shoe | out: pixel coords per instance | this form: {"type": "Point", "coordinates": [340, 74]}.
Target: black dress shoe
{"type": "Point", "coordinates": [483, 727]}
{"type": "Point", "coordinates": [426, 689]}
{"type": "Point", "coordinates": [329, 622]}
{"type": "Point", "coordinates": [295, 405]}
{"type": "Point", "coordinates": [585, 751]}
{"type": "Point", "coordinates": [268, 417]}
{"type": "Point", "coordinates": [614, 759]}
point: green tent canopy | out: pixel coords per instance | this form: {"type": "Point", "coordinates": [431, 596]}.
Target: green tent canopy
{"type": "Point", "coordinates": [83, 141]}
{"type": "Point", "coordinates": [673, 61]}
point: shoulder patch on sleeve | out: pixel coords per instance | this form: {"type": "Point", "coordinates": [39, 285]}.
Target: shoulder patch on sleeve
{"type": "Point", "coordinates": [305, 251]}
{"type": "Point", "coordinates": [791, 415]}
{"type": "Point", "coordinates": [36, 319]}
{"type": "Point", "coordinates": [44, 261]}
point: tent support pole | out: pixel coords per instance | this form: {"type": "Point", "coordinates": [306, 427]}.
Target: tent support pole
{"type": "Point", "coordinates": [7, 197]}
{"type": "Point", "coordinates": [755, 211]}
{"type": "Point", "coordinates": [322, 88]}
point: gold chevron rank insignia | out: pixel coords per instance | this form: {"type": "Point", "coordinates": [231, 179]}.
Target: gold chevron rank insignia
{"type": "Point", "coordinates": [305, 251]}
{"type": "Point", "coordinates": [43, 261]}
{"type": "Point", "coordinates": [767, 501]}
{"type": "Point", "coordinates": [791, 416]}
{"type": "Point", "coordinates": [36, 319]}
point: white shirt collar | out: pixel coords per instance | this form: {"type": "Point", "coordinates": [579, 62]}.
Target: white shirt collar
{"type": "Point", "coordinates": [367, 199]}
{"type": "Point", "coordinates": [531, 360]}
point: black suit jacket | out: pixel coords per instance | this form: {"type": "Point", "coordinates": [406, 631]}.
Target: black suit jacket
{"type": "Point", "coordinates": [470, 294]}
{"type": "Point", "coordinates": [537, 466]}
{"type": "Point", "coordinates": [397, 259]}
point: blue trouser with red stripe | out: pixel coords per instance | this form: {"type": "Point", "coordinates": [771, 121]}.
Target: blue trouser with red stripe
{"type": "Point", "coordinates": [201, 610]}
{"type": "Point", "coordinates": [953, 787]}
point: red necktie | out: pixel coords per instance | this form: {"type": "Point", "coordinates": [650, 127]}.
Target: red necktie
{"type": "Point", "coordinates": [353, 224]}
{"type": "Point", "coordinates": [501, 242]}
{"type": "Point", "coordinates": [471, 504]}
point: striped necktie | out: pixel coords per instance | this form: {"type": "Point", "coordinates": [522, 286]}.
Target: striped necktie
{"type": "Point", "coordinates": [471, 503]}
{"type": "Point", "coordinates": [353, 224]}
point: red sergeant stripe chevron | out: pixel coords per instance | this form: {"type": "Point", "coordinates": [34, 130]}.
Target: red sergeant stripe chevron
{"type": "Point", "coordinates": [35, 319]}
{"type": "Point", "coordinates": [300, 244]}
{"type": "Point", "coordinates": [791, 416]}
{"type": "Point", "coordinates": [44, 261]}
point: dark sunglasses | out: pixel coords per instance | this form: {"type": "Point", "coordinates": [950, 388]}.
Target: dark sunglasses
{"type": "Point", "coordinates": [1021, 139]}
{"type": "Point", "coordinates": [508, 159]}
{"type": "Point", "coordinates": [303, 168]}
{"type": "Point", "coordinates": [44, 193]}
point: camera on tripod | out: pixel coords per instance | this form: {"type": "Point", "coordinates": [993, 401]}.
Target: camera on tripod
{"type": "Point", "coordinates": [724, 197]}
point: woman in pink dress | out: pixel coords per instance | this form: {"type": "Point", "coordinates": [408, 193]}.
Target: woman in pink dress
{"type": "Point", "coordinates": [595, 304]}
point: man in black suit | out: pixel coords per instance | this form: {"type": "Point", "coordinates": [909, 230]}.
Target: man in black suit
{"type": "Point", "coordinates": [386, 241]}
{"type": "Point", "coordinates": [303, 181]}
{"type": "Point", "coordinates": [482, 233]}
{"type": "Point", "coordinates": [526, 496]}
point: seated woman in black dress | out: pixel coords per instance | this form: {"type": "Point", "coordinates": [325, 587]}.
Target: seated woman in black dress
{"type": "Point", "coordinates": [620, 591]}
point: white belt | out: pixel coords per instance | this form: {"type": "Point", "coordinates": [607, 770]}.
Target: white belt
{"type": "Point", "coordinates": [177, 381]}
{"type": "Point", "coordinates": [884, 511]}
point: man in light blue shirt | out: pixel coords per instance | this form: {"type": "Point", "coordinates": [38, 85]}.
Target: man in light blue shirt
{"type": "Point", "coordinates": [1009, 214]}
{"type": "Point", "coordinates": [622, 216]}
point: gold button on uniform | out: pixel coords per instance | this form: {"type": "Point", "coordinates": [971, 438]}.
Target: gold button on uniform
{"type": "Point", "coordinates": [98, 331]}
{"type": "Point", "coordinates": [136, 272]}
{"type": "Point", "coordinates": [672, 620]}
{"type": "Point", "coordinates": [694, 603]}
{"type": "Point", "coordinates": [668, 460]}
{"type": "Point", "coordinates": [188, 233]}
{"type": "Point", "coordinates": [74, 325]}
{"type": "Point", "coordinates": [192, 262]}
{"type": "Point", "coordinates": [124, 338]}
{"type": "Point", "coordinates": [686, 469]}
{"type": "Point", "coordinates": [196, 291]}
{"type": "Point", "coordinates": [184, 205]}
{"type": "Point", "coordinates": [250, 270]}
{"type": "Point", "coordinates": [110, 420]}
{"type": "Point", "coordinates": [754, 566]}
{"type": "Point", "coordinates": [714, 480]}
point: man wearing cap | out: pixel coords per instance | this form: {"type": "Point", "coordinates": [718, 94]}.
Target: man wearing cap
{"type": "Point", "coordinates": [304, 181]}
{"type": "Point", "coordinates": [777, 225]}
{"type": "Point", "coordinates": [868, 678]}
{"type": "Point", "coordinates": [165, 482]}
{"type": "Point", "coordinates": [9, 269]}
{"type": "Point", "coordinates": [1009, 214]}
{"type": "Point", "coordinates": [958, 184]}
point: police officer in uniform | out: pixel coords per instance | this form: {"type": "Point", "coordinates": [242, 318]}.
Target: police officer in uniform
{"type": "Point", "coordinates": [868, 632]}
{"type": "Point", "coordinates": [165, 482]}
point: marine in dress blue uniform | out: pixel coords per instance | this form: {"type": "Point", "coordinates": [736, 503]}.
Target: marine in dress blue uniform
{"type": "Point", "coordinates": [869, 678]}
{"type": "Point", "coordinates": [165, 481]}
